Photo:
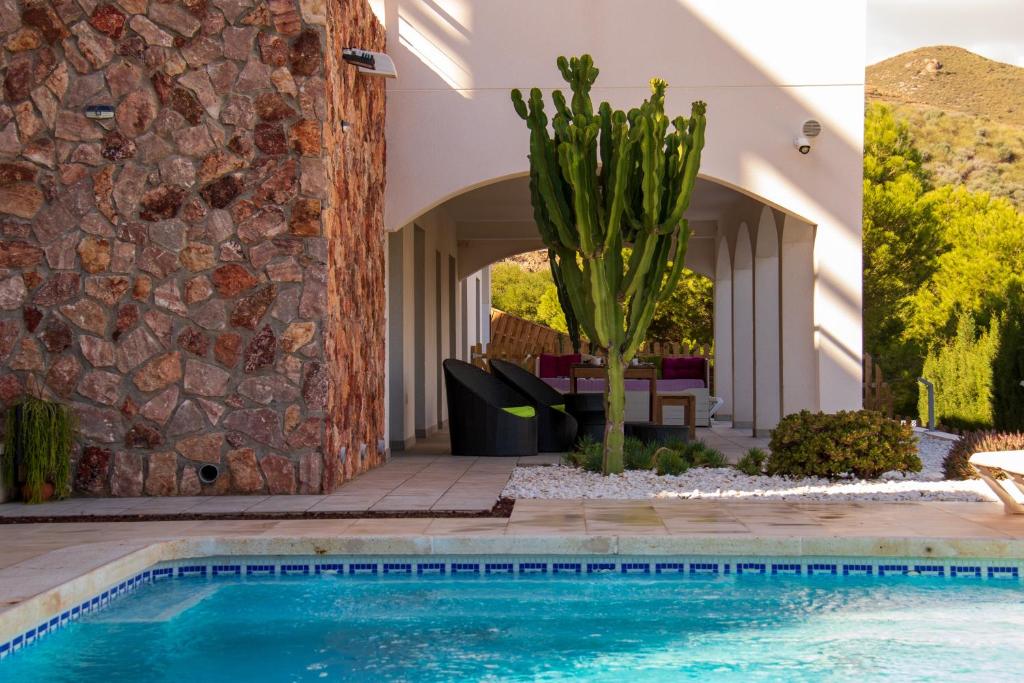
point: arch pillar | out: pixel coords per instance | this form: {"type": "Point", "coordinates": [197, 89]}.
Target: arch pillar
{"type": "Point", "coordinates": [743, 331]}
{"type": "Point", "coordinates": [723, 329]}
{"type": "Point", "coordinates": [767, 353]}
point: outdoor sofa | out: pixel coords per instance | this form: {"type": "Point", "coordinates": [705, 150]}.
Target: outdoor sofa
{"type": "Point", "coordinates": [678, 375]}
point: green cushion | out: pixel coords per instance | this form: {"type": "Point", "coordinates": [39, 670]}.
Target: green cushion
{"type": "Point", "coordinates": [558, 406]}
{"type": "Point", "coordinates": [521, 411]}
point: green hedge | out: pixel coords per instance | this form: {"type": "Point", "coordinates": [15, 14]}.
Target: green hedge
{"type": "Point", "coordinates": [861, 443]}
{"type": "Point", "coordinates": [962, 373]}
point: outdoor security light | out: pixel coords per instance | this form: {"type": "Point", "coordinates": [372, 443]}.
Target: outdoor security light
{"type": "Point", "coordinates": [373, 63]}
{"type": "Point", "coordinates": [809, 129]}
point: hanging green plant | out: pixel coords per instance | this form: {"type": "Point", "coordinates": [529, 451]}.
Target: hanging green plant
{"type": "Point", "coordinates": [37, 448]}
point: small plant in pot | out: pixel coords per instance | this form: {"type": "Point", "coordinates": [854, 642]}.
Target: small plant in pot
{"type": "Point", "coordinates": [37, 449]}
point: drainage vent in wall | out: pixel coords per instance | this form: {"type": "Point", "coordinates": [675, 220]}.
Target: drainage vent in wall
{"type": "Point", "coordinates": [208, 474]}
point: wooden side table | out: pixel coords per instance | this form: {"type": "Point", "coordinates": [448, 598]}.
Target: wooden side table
{"type": "Point", "coordinates": [686, 401]}
{"type": "Point", "coordinates": [648, 372]}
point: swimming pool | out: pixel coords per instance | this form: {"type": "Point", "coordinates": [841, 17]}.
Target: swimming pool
{"type": "Point", "coordinates": [601, 619]}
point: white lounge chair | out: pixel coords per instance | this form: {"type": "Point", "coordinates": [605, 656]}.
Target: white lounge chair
{"type": "Point", "coordinates": [1008, 463]}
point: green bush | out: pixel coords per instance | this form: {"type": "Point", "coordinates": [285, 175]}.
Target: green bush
{"type": "Point", "coordinates": [670, 462]}
{"type": "Point", "coordinates": [637, 455]}
{"type": "Point", "coordinates": [1008, 366]}
{"type": "Point", "coordinates": [962, 373]}
{"type": "Point", "coordinates": [588, 455]}
{"type": "Point", "coordinates": [861, 443]}
{"type": "Point", "coordinates": [956, 465]}
{"type": "Point", "coordinates": [752, 463]}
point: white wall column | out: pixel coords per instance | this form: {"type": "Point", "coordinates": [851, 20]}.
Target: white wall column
{"type": "Point", "coordinates": [743, 331]}
{"type": "Point", "coordinates": [837, 315]}
{"type": "Point", "coordinates": [401, 333]}
{"type": "Point", "coordinates": [767, 355]}
{"type": "Point", "coordinates": [723, 329]}
{"type": "Point", "coordinates": [799, 366]}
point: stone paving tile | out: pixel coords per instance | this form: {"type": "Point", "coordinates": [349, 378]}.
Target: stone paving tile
{"type": "Point", "coordinates": [286, 504]}
{"type": "Point", "coordinates": [389, 527]}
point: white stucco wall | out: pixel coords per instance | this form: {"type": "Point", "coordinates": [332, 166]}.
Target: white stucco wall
{"type": "Point", "coordinates": [762, 67]}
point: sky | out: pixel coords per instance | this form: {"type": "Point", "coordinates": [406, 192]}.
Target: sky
{"type": "Point", "coordinates": [991, 28]}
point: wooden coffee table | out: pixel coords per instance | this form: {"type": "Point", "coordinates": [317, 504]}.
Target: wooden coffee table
{"type": "Point", "coordinates": [684, 400]}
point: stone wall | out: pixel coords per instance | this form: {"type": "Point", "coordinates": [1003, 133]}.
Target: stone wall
{"type": "Point", "coordinates": [355, 318]}
{"type": "Point", "coordinates": [200, 275]}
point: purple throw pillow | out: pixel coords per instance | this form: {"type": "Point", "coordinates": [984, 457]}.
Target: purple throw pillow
{"type": "Point", "coordinates": [548, 365]}
{"type": "Point", "coordinates": [566, 362]}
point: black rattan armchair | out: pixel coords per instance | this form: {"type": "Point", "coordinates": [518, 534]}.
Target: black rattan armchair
{"type": "Point", "coordinates": [485, 415]}
{"type": "Point", "coordinates": [556, 429]}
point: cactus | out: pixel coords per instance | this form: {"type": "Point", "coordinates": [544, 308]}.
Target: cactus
{"type": "Point", "coordinates": [572, 325]}
{"type": "Point", "coordinates": [609, 190]}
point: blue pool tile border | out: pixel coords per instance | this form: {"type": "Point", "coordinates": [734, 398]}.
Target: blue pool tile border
{"type": "Point", "coordinates": [597, 566]}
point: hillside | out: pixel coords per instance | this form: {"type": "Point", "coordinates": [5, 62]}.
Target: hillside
{"type": "Point", "coordinates": [951, 79]}
{"type": "Point", "coordinates": [966, 113]}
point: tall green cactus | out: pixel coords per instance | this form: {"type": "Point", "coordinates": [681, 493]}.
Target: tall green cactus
{"type": "Point", "coordinates": [603, 183]}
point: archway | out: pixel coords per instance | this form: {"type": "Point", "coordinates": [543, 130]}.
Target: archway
{"type": "Point", "coordinates": [735, 242]}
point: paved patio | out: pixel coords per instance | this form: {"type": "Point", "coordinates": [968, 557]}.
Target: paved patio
{"type": "Point", "coordinates": [720, 522]}
{"type": "Point", "coordinates": [424, 479]}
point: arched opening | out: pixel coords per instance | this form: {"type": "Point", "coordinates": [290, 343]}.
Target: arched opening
{"type": "Point", "coordinates": [736, 266]}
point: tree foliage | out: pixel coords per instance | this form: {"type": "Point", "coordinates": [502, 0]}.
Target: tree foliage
{"type": "Point", "coordinates": [938, 261]}
{"type": "Point", "coordinates": [902, 241]}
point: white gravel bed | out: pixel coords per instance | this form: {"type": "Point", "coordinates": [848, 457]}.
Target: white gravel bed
{"type": "Point", "coordinates": [562, 482]}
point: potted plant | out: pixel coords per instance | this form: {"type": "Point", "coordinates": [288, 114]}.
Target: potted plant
{"type": "Point", "coordinates": [37, 449]}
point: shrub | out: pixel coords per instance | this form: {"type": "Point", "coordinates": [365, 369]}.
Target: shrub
{"type": "Point", "coordinates": [588, 455]}
{"type": "Point", "coordinates": [962, 372]}
{"type": "Point", "coordinates": [637, 455]}
{"type": "Point", "coordinates": [699, 454]}
{"type": "Point", "coordinates": [670, 462]}
{"type": "Point", "coordinates": [752, 463]}
{"type": "Point", "coordinates": [1008, 365]}
{"type": "Point", "coordinates": [956, 465]}
{"type": "Point", "coordinates": [863, 443]}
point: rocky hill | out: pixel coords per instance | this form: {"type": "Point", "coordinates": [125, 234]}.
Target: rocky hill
{"type": "Point", "coordinates": [966, 113]}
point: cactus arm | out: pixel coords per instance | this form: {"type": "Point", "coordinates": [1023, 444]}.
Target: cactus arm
{"type": "Point", "coordinates": [693, 145]}
{"type": "Point", "coordinates": [619, 181]}
{"type": "Point", "coordinates": [682, 240]}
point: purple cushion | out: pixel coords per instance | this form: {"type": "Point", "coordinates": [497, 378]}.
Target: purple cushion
{"type": "Point", "coordinates": [566, 362]}
{"type": "Point", "coordinates": [556, 366]}
{"type": "Point", "coordinates": [684, 367]}
{"type": "Point", "coordinates": [548, 365]}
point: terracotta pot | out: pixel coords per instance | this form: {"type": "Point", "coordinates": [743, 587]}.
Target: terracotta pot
{"type": "Point", "coordinates": [48, 490]}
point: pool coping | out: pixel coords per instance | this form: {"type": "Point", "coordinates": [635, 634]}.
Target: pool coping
{"type": "Point", "coordinates": [39, 590]}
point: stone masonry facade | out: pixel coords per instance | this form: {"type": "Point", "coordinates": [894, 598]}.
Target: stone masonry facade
{"type": "Point", "coordinates": [201, 275]}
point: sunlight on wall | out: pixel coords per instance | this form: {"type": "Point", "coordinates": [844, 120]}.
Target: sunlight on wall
{"type": "Point", "coordinates": [431, 51]}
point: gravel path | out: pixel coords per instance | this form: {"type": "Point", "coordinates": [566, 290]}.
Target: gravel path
{"type": "Point", "coordinates": [561, 482]}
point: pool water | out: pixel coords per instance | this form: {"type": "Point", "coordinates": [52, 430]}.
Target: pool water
{"type": "Point", "coordinates": [608, 628]}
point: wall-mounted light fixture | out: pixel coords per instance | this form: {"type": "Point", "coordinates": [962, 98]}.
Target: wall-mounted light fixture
{"type": "Point", "coordinates": [99, 111]}
{"type": "Point", "coordinates": [809, 129]}
{"type": "Point", "coordinates": [368, 62]}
